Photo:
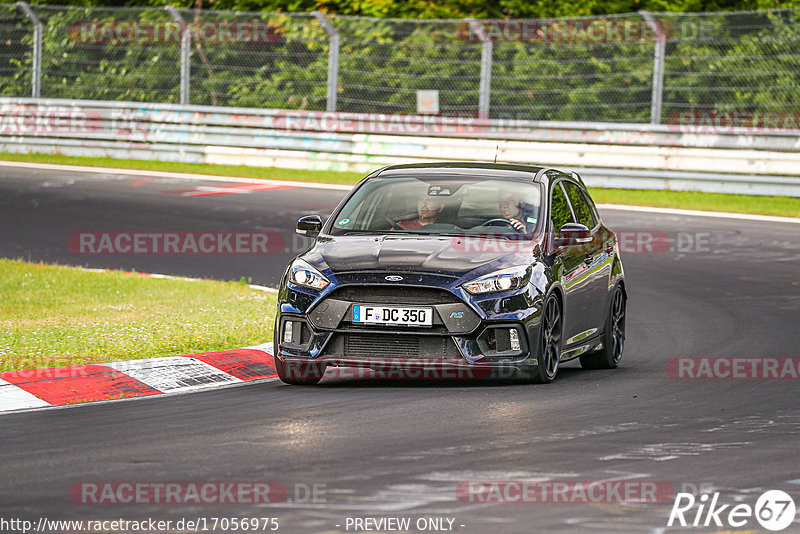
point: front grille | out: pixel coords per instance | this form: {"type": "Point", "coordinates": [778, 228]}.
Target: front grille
{"type": "Point", "coordinates": [385, 346]}
{"type": "Point", "coordinates": [347, 345]}
{"type": "Point", "coordinates": [394, 295]}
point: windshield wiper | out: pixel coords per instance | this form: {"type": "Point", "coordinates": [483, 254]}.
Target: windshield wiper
{"type": "Point", "coordinates": [379, 232]}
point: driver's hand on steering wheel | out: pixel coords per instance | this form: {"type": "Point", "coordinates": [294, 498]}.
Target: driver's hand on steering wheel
{"type": "Point", "coordinates": [517, 225]}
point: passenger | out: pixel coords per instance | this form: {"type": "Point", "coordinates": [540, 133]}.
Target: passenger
{"type": "Point", "coordinates": [520, 215]}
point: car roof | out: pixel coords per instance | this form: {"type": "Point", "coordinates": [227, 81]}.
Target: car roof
{"type": "Point", "coordinates": [495, 170]}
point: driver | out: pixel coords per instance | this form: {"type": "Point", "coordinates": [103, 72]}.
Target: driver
{"type": "Point", "coordinates": [517, 212]}
{"type": "Point", "coordinates": [428, 210]}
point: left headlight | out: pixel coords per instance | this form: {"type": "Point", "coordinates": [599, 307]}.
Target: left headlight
{"type": "Point", "coordinates": [303, 274]}
{"type": "Point", "coordinates": [504, 280]}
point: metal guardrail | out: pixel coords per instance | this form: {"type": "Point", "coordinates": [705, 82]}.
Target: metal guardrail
{"type": "Point", "coordinates": [606, 154]}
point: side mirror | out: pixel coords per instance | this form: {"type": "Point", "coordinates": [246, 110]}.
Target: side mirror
{"type": "Point", "coordinates": [309, 226]}
{"type": "Point", "coordinates": [573, 234]}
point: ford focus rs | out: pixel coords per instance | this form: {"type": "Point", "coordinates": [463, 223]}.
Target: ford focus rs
{"type": "Point", "coordinates": [497, 268]}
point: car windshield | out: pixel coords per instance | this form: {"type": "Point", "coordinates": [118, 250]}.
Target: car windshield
{"type": "Point", "coordinates": [437, 205]}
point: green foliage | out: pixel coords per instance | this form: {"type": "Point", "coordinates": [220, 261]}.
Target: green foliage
{"type": "Point", "coordinates": [452, 9]}
{"type": "Point", "coordinates": [714, 62]}
{"type": "Point", "coordinates": [738, 62]}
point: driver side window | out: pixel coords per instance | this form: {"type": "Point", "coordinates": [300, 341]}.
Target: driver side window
{"type": "Point", "coordinates": [560, 214]}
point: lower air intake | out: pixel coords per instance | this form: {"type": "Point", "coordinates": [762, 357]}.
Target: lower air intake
{"type": "Point", "coordinates": [347, 345]}
{"type": "Point", "coordinates": [384, 346]}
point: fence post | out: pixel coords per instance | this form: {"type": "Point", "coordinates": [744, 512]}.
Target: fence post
{"type": "Point", "coordinates": [333, 59]}
{"type": "Point", "coordinates": [487, 49]}
{"type": "Point", "coordinates": [36, 75]}
{"type": "Point", "coordinates": [658, 66]}
{"type": "Point", "coordinates": [186, 50]}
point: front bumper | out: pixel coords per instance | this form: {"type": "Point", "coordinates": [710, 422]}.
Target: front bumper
{"type": "Point", "coordinates": [469, 333]}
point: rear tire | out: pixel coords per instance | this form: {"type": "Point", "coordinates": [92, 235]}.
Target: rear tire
{"type": "Point", "coordinates": [550, 342]}
{"type": "Point", "coordinates": [613, 336]}
{"type": "Point", "coordinates": [299, 373]}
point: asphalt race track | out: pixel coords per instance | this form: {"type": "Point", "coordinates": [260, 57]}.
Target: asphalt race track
{"type": "Point", "coordinates": [381, 448]}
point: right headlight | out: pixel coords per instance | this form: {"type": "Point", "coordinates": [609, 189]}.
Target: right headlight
{"type": "Point", "coordinates": [303, 274]}
{"type": "Point", "coordinates": [503, 280]}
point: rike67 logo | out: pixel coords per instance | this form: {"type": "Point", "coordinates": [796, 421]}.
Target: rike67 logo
{"type": "Point", "coordinates": [774, 510]}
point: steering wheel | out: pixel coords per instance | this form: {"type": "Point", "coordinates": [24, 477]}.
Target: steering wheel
{"type": "Point", "coordinates": [504, 221]}
{"type": "Point", "coordinates": [393, 223]}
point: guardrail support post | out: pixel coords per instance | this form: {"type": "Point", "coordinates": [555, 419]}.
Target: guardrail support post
{"type": "Point", "coordinates": [186, 51]}
{"type": "Point", "coordinates": [36, 75]}
{"type": "Point", "coordinates": [487, 49]}
{"type": "Point", "coordinates": [333, 59]}
{"type": "Point", "coordinates": [658, 66]}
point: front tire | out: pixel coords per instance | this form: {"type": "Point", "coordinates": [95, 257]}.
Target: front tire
{"type": "Point", "coordinates": [613, 337]}
{"type": "Point", "coordinates": [299, 373]}
{"type": "Point", "coordinates": [550, 342]}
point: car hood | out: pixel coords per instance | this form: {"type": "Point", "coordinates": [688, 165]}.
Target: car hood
{"type": "Point", "coordinates": [445, 255]}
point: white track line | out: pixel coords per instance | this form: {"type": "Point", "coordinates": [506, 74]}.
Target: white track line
{"type": "Point", "coordinates": [696, 213]}
{"type": "Point", "coordinates": [262, 288]}
{"type": "Point", "coordinates": [207, 177]}
{"type": "Point", "coordinates": [171, 277]}
{"type": "Point", "coordinates": [264, 347]}
{"type": "Point", "coordinates": [160, 174]}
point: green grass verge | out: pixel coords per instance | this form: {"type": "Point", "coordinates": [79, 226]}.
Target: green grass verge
{"type": "Point", "coordinates": [53, 316]}
{"type": "Point", "coordinates": [692, 200]}
{"type": "Point", "coordinates": [760, 205]}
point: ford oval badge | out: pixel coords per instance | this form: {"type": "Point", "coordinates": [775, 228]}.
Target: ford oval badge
{"type": "Point", "coordinates": [394, 278]}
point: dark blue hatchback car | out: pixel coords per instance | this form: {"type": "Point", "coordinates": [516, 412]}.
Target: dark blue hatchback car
{"type": "Point", "coordinates": [484, 269]}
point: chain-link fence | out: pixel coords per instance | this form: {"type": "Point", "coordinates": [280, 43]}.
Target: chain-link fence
{"type": "Point", "coordinates": [561, 72]}
{"type": "Point", "coordinates": [257, 59]}
{"type": "Point", "coordinates": [745, 62]}
{"type": "Point", "coordinates": [16, 51]}
{"type": "Point", "coordinates": [383, 63]}
{"type": "Point", "coordinates": [633, 68]}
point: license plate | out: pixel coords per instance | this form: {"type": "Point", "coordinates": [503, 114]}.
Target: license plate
{"type": "Point", "coordinates": [367, 314]}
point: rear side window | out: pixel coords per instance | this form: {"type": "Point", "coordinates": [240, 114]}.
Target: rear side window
{"type": "Point", "coordinates": [559, 209]}
{"type": "Point", "coordinates": [591, 206]}
{"type": "Point", "coordinates": [583, 211]}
